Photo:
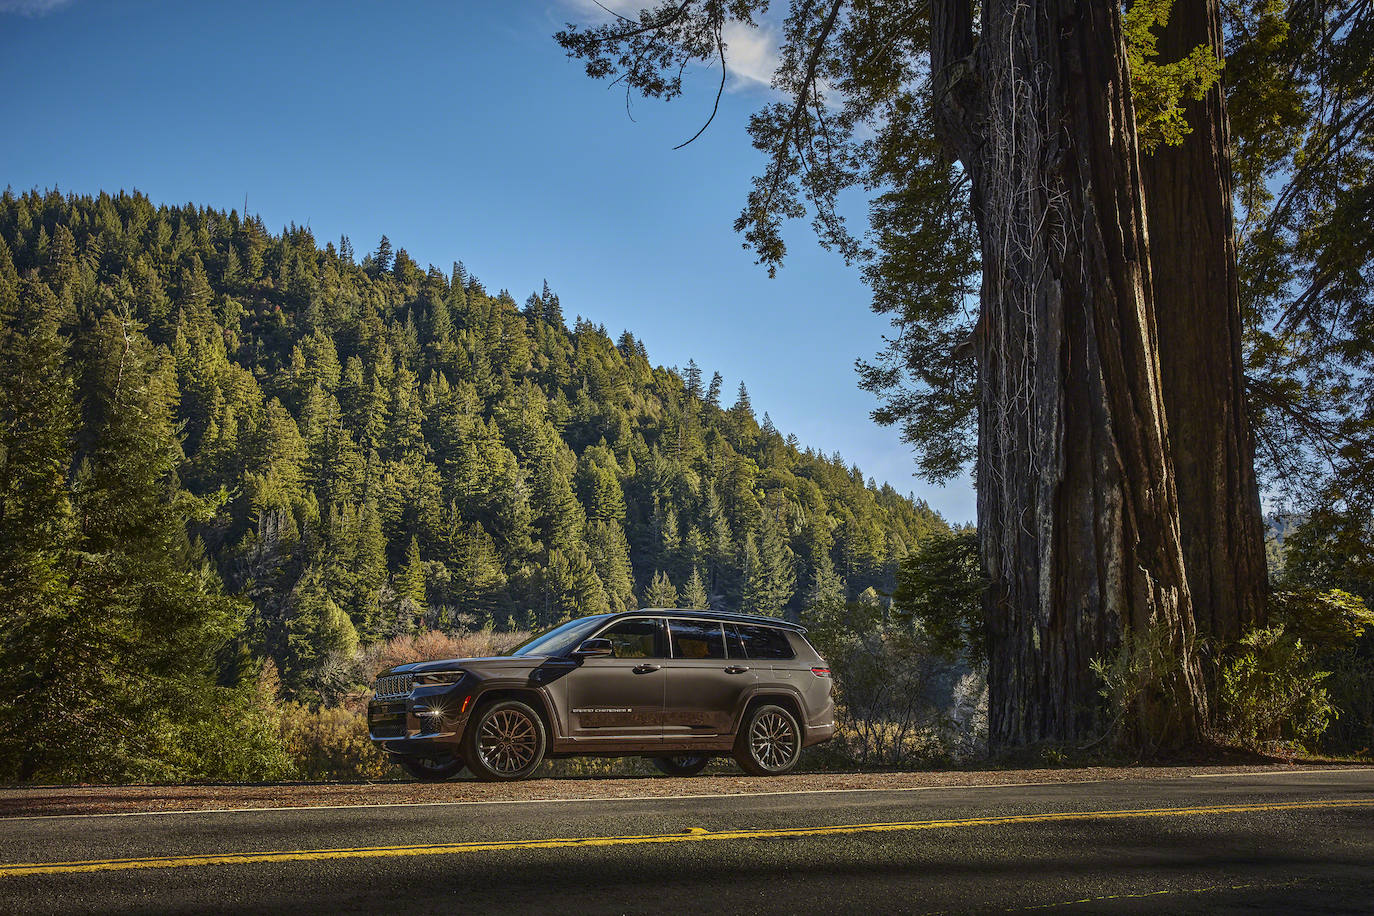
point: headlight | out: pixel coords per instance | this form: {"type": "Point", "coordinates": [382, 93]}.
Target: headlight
{"type": "Point", "coordinates": [435, 678]}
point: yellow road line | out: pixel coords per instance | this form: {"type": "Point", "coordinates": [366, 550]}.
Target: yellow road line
{"type": "Point", "coordinates": [692, 835]}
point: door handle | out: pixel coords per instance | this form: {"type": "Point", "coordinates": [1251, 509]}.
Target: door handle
{"type": "Point", "coordinates": [736, 669]}
{"type": "Point", "coordinates": [644, 669]}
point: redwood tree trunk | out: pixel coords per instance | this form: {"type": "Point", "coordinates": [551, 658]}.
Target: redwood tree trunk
{"type": "Point", "coordinates": [1197, 307]}
{"type": "Point", "coordinates": [1077, 513]}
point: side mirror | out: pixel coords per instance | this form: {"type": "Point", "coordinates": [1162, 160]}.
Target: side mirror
{"type": "Point", "coordinates": [594, 648]}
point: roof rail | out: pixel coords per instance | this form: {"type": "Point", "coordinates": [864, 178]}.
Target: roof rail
{"type": "Point", "coordinates": [759, 619]}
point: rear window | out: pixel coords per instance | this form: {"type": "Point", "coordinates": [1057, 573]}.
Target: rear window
{"type": "Point", "coordinates": [759, 642]}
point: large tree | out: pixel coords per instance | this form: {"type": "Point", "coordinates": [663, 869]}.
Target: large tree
{"type": "Point", "coordinates": [1078, 515]}
{"type": "Point", "coordinates": [1187, 181]}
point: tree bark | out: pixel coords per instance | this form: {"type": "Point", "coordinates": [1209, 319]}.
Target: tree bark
{"type": "Point", "coordinates": [1197, 307]}
{"type": "Point", "coordinates": [1077, 512]}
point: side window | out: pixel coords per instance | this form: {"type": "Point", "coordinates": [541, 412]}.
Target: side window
{"type": "Point", "coordinates": [696, 639]}
{"type": "Point", "coordinates": [642, 638]}
{"type": "Point", "coordinates": [764, 643]}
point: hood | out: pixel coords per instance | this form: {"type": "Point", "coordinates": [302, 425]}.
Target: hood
{"type": "Point", "coordinates": [447, 664]}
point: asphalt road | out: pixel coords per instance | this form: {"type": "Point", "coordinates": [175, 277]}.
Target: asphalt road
{"type": "Point", "coordinates": [1289, 842]}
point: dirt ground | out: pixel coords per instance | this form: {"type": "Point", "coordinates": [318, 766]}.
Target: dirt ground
{"type": "Point", "coordinates": [41, 801]}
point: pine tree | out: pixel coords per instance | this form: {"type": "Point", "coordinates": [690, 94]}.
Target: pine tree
{"type": "Point", "coordinates": [480, 582]}
{"type": "Point", "coordinates": [137, 657]}
{"type": "Point", "coordinates": [381, 261]}
{"type": "Point", "coordinates": [610, 555]}
{"type": "Point", "coordinates": [316, 627]}
{"type": "Point", "coordinates": [694, 593]}
{"type": "Point", "coordinates": [713, 392]}
{"type": "Point", "coordinates": [744, 407]}
{"type": "Point", "coordinates": [37, 422]}
{"type": "Point", "coordinates": [820, 584]}
{"type": "Point", "coordinates": [661, 592]}
{"type": "Point", "coordinates": [410, 582]}
{"type": "Point", "coordinates": [769, 577]}
{"type": "Point", "coordinates": [693, 380]}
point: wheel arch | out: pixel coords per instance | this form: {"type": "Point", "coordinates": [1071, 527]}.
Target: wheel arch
{"type": "Point", "coordinates": [775, 696]}
{"type": "Point", "coordinates": [535, 699]}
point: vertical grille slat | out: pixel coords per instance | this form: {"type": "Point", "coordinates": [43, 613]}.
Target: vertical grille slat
{"type": "Point", "coordinates": [394, 685]}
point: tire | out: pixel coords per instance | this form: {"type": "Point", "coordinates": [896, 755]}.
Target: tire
{"type": "Point", "coordinates": [682, 765]}
{"type": "Point", "coordinates": [769, 743]}
{"type": "Point", "coordinates": [432, 769]}
{"type": "Point", "coordinates": [505, 741]}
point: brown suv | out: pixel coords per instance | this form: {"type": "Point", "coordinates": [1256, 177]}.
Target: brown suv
{"type": "Point", "coordinates": [678, 687]}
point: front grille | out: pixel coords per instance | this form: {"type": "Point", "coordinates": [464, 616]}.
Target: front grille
{"type": "Point", "coordinates": [394, 685]}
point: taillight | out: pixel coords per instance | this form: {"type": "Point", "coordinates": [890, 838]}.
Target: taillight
{"type": "Point", "coordinates": [820, 671]}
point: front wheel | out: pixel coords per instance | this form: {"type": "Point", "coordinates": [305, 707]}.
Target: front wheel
{"type": "Point", "coordinates": [505, 741]}
{"type": "Point", "coordinates": [680, 766]}
{"type": "Point", "coordinates": [769, 744]}
{"type": "Point", "coordinates": [432, 769]}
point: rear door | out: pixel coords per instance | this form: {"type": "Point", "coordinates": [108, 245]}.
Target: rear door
{"type": "Point", "coordinates": [621, 696]}
{"type": "Point", "coordinates": [704, 684]}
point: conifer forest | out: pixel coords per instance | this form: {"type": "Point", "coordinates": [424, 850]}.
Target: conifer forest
{"type": "Point", "coordinates": [227, 449]}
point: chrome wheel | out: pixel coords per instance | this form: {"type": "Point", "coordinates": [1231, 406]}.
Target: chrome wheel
{"type": "Point", "coordinates": [508, 742]}
{"type": "Point", "coordinates": [773, 739]}
{"type": "Point", "coordinates": [769, 742]}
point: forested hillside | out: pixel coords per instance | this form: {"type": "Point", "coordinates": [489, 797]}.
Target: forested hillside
{"type": "Point", "coordinates": [197, 410]}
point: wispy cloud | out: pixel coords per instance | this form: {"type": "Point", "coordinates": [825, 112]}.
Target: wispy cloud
{"type": "Point", "coordinates": [32, 7]}
{"type": "Point", "coordinates": [751, 54]}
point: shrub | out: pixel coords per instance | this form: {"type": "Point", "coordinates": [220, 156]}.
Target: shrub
{"type": "Point", "coordinates": [1269, 692]}
{"type": "Point", "coordinates": [1142, 681]}
{"type": "Point", "coordinates": [897, 703]}
{"type": "Point", "coordinates": [331, 743]}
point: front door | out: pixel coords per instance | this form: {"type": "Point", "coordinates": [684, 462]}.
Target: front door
{"type": "Point", "coordinates": [704, 685]}
{"type": "Point", "coordinates": [621, 696]}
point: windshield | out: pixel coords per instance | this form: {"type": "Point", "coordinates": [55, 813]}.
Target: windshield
{"type": "Point", "coordinates": [561, 639]}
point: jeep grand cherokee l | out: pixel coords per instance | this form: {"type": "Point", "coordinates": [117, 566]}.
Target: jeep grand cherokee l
{"type": "Point", "coordinates": [676, 686]}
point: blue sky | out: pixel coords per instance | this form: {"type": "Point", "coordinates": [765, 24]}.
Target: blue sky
{"type": "Point", "coordinates": [462, 132]}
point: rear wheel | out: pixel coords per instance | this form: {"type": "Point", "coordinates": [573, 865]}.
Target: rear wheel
{"type": "Point", "coordinates": [685, 765]}
{"type": "Point", "coordinates": [769, 744]}
{"type": "Point", "coordinates": [505, 741]}
{"type": "Point", "coordinates": [432, 769]}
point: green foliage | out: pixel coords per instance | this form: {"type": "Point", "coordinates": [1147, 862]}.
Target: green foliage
{"type": "Point", "coordinates": [1328, 582]}
{"type": "Point", "coordinates": [940, 587]}
{"type": "Point", "coordinates": [661, 592]}
{"type": "Point", "coordinates": [1300, 94]}
{"type": "Point", "coordinates": [112, 627]}
{"type": "Point", "coordinates": [1159, 90]}
{"type": "Point", "coordinates": [1325, 620]}
{"type": "Point", "coordinates": [1269, 691]}
{"type": "Point", "coordinates": [694, 593]}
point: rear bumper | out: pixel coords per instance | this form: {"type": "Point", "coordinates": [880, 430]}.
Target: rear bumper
{"type": "Point", "coordinates": [818, 734]}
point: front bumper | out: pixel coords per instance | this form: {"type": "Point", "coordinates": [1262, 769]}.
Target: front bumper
{"type": "Point", "coordinates": [430, 720]}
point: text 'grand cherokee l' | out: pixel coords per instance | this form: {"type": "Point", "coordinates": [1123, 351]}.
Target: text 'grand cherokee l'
{"type": "Point", "coordinates": [676, 686]}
